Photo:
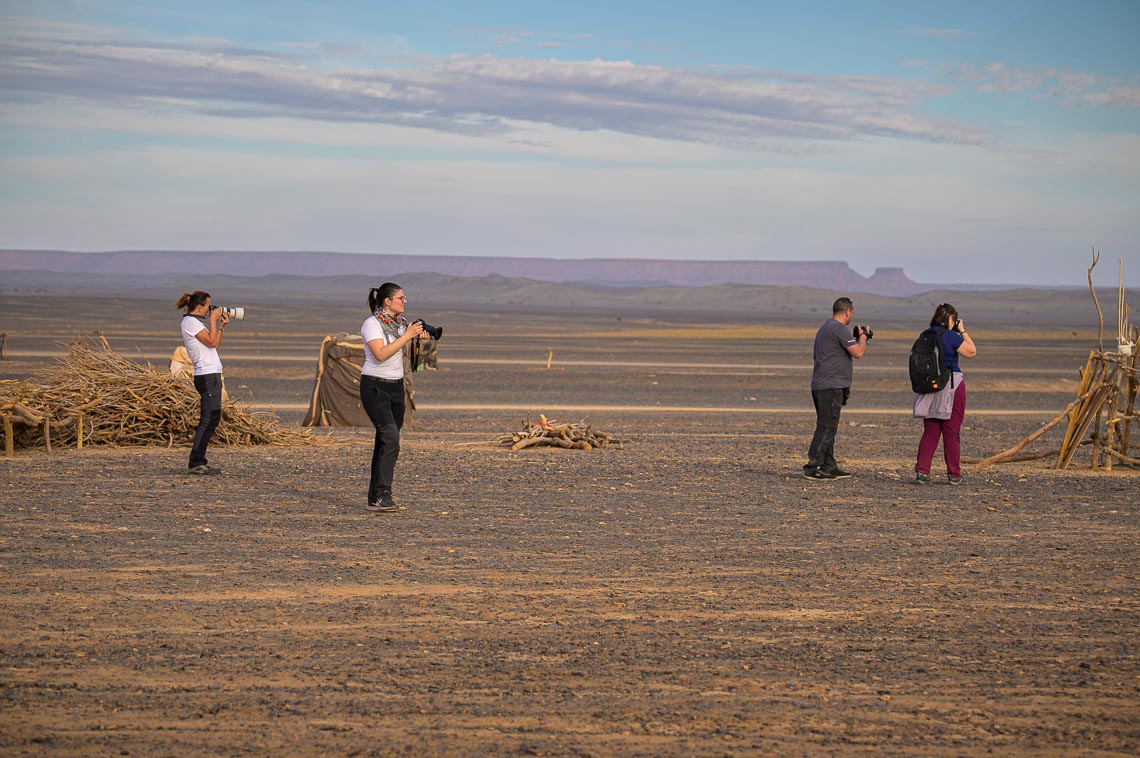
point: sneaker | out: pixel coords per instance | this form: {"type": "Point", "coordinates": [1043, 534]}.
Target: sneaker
{"type": "Point", "coordinates": [385, 504]}
{"type": "Point", "coordinates": [922, 479]}
{"type": "Point", "coordinates": [819, 475]}
{"type": "Point", "coordinates": [204, 470]}
{"type": "Point", "coordinates": [953, 479]}
{"type": "Point", "coordinates": [841, 474]}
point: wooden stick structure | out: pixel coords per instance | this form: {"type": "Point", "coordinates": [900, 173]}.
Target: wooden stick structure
{"type": "Point", "coordinates": [580, 436]}
{"type": "Point", "coordinates": [96, 396]}
{"type": "Point", "coordinates": [1105, 402]}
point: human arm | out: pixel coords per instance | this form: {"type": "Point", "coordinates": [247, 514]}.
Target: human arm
{"type": "Point", "coordinates": [967, 349]}
{"type": "Point", "coordinates": [859, 349]}
{"type": "Point", "coordinates": [212, 337]}
{"type": "Point", "coordinates": [382, 350]}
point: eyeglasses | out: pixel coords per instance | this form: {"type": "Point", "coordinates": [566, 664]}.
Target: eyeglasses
{"type": "Point", "coordinates": [401, 297]}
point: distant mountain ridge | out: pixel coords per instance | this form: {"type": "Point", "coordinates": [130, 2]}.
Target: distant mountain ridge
{"type": "Point", "coordinates": [832, 275]}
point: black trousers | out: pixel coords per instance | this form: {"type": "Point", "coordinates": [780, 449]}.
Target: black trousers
{"type": "Point", "coordinates": [828, 403]}
{"type": "Point", "coordinates": [209, 388]}
{"type": "Point", "coordinates": [383, 401]}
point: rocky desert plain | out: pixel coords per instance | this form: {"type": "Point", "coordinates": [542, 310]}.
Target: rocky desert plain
{"type": "Point", "coordinates": [688, 593]}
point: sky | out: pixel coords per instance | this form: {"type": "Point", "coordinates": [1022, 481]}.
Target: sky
{"type": "Point", "coordinates": [977, 142]}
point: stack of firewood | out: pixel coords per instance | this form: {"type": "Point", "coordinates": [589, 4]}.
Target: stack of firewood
{"type": "Point", "coordinates": [100, 397]}
{"type": "Point", "coordinates": [580, 436]}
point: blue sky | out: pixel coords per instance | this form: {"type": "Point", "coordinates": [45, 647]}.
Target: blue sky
{"type": "Point", "coordinates": [965, 142]}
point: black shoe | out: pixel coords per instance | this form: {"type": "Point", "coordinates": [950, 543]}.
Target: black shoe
{"type": "Point", "coordinates": [384, 504]}
{"type": "Point", "coordinates": [819, 475]}
{"type": "Point", "coordinates": [204, 470]}
{"type": "Point", "coordinates": [953, 479]}
{"type": "Point", "coordinates": [841, 474]}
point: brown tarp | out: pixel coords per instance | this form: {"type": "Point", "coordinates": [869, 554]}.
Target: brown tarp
{"type": "Point", "coordinates": [336, 391]}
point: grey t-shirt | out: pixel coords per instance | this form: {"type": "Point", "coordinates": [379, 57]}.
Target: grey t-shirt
{"type": "Point", "coordinates": [832, 361]}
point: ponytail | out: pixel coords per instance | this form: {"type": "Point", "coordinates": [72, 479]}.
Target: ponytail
{"type": "Point", "coordinates": [191, 300]}
{"type": "Point", "coordinates": [377, 295]}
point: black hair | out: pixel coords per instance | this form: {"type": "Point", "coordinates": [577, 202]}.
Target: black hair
{"type": "Point", "coordinates": [377, 295]}
{"type": "Point", "coordinates": [942, 315]}
{"type": "Point", "coordinates": [191, 300]}
{"type": "Point", "coordinates": [841, 305]}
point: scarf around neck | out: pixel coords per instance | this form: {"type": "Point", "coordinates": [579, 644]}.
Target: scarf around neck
{"type": "Point", "coordinates": [390, 324]}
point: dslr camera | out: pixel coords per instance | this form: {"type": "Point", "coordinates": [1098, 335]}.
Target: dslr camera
{"type": "Point", "coordinates": [862, 329]}
{"type": "Point", "coordinates": [235, 314]}
{"type": "Point", "coordinates": [435, 332]}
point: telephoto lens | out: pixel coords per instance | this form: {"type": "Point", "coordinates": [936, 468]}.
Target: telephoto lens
{"type": "Point", "coordinates": [235, 314]}
{"type": "Point", "coordinates": [435, 332]}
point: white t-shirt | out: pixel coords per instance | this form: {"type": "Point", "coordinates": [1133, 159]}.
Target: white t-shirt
{"type": "Point", "coordinates": [205, 359]}
{"type": "Point", "coordinates": [393, 368]}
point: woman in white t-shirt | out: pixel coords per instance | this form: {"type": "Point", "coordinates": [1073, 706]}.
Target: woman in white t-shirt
{"type": "Point", "coordinates": [202, 328]}
{"type": "Point", "coordinates": [385, 333]}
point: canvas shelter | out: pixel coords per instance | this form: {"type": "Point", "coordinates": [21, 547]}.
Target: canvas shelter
{"type": "Point", "coordinates": [181, 365]}
{"type": "Point", "coordinates": [336, 390]}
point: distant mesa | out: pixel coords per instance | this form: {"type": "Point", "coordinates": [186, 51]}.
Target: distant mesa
{"type": "Point", "coordinates": [828, 275]}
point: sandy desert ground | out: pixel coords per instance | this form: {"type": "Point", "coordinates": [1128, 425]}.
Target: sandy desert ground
{"type": "Point", "coordinates": [689, 594]}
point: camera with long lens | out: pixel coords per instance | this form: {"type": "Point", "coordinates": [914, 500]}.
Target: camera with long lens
{"type": "Point", "coordinates": [235, 314]}
{"type": "Point", "coordinates": [435, 332]}
{"type": "Point", "coordinates": [862, 329]}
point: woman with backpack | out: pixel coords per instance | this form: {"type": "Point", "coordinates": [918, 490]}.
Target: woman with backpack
{"type": "Point", "coordinates": [944, 411]}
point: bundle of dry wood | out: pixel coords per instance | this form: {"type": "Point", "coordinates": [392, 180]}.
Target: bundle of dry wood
{"type": "Point", "coordinates": [98, 396]}
{"type": "Point", "coordinates": [1106, 400]}
{"type": "Point", "coordinates": [580, 436]}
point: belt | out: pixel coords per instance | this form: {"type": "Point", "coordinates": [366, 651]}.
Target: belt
{"type": "Point", "coordinates": [382, 379]}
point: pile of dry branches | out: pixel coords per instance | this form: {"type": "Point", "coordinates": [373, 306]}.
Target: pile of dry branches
{"type": "Point", "coordinates": [580, 436]}
{"type": "Point", "coordinates": [1106, 398]}
{"type": "Point", "coordinates": [97, 396]}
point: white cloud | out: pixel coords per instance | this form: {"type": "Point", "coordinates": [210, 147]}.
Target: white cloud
{"type": "Point", "coordinates": [484, 95]}
{"type": "Point", "coordinates": [1066, 87]}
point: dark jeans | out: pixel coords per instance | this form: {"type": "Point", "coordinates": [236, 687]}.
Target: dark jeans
{"type": "Point", "coordinates": [209, 388]}
{"type": "Point", "coordinates": [828, 403]}
{"type": "Point", "coordinates": [383, 401]}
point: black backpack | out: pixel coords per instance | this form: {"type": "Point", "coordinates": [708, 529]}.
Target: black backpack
{"type": "Point", "coordinates": [928, 372]}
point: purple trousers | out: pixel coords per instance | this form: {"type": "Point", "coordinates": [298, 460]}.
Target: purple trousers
{"type": "Point", "coordinates": [948, 430]}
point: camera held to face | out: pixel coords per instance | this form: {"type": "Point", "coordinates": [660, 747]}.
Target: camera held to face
{"type": "Point", "coordinates": [235, 314]}
{"type": "Point", "coordinates": [435, 332]}
{"type": "Point", "coordinates": [862, 329]}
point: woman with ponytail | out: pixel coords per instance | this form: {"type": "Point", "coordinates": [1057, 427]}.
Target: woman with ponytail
{"type": "Point", "coordinates": [202, 328]}
{"type": "Point", "coordinates": [385, 333]}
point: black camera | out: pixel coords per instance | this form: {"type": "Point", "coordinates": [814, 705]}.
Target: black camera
{"type": "Point", "coordinates": [435, 332]}
{"type": "Point", "coordinates": [862, 329]}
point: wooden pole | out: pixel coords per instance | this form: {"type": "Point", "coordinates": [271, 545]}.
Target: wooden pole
{"type": "Point", "coordinates": [9, 443]}
{"type": "Point", "coordinates": [1085, 417]}
{"type": "Point", "coordinates": [1099, 313]}
{"type": "Point", "coordinates": [79, 432]}
{"type": "Point", "coordinates": [1005, 454]}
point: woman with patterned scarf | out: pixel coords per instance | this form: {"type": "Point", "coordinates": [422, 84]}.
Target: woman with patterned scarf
{"type": "Point", "coordinates": [385, 333]}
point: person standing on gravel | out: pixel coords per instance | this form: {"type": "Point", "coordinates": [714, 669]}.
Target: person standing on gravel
{"type": "Point", "coordinates": [836, 345]}
{"type": "Point", "coordinates": [943, 412]}
{"type": "Point", "coordinates": [202, 328]}
{"type": "Point", "coordinates": [385, 333]}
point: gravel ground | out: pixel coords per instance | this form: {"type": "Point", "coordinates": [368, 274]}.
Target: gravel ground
{"type": "Point", "coordinates": [689, 594]}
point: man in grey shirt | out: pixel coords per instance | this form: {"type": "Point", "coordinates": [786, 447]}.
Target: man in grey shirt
{"type": "Point", "coordinates": [835, 347]}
